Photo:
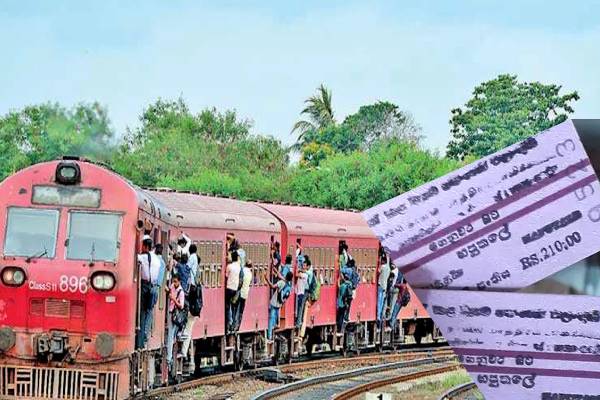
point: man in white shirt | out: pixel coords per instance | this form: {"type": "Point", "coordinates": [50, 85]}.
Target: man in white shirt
{"type": "Point", "coordinates": [149, 265]}
{"type": "Point", "coordinates": [301, 288]}
{"type": "Point", "coordinates": [183, 245]}
{"type": "Point", "coordinates": [232, 275]}
{"type": "Point", "coordinates": [243, 295]}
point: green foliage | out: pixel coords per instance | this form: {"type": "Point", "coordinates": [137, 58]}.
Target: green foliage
{"type": "Point", "coordinates": [209, 152]}
{"type": "Point", "coordinates": [504, 111]}
{"type": "Point", "coordinates": [313, 153]}
{"type": "Point", "coordinates": [48, 131]}
{"type": "Point", "coordinates": [373, 155]}
{"type": "Point", "coordinates": [379, 121]}
{"type": "Point", "coordinates": [362, 179]}
{"type": "Point", "coordinates": [319, 111]}
{"type": "Point", "coordinates": [382, 120]}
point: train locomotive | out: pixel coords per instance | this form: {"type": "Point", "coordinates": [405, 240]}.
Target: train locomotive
{"type": "Point", "coordinates": [70, 284]}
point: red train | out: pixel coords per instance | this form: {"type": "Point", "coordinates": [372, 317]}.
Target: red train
{"type": "Point", "coordinates": [69, 287]}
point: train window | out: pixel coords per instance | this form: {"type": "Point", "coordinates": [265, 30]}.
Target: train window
{"type": "Point", "coordinates": [31, 232]}
{"type": "Point", "coordinates": [66, 196]}
{"type": "Point", "coordinates": [101, 243]}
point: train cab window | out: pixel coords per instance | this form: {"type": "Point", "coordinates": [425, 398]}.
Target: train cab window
{"type": "Point", "coordinates": [31, 232]}
{"type": "Point", "coordinates": [101, 243]}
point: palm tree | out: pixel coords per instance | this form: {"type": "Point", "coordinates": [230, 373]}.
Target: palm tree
{"type": "Point", "coordinates": [319, 111]}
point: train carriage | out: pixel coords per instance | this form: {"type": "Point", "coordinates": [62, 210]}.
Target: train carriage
{"type": "Point", "coordinates": [207, 220]}
{"type": "Point", "coordinates": [68, 299]}
{"type": "Point", "coordinates": [70, 284]}
{"type": "Point", "coordinates": [320, 232]}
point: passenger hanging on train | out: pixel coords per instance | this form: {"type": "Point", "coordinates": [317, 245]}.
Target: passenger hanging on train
{"type": "Point", "coordinates": [192, 264]}
{"type": "Point", "coordinates": [246, 281]}
{"type": "Point", "coordinates": [287, 266]}
{"type": "Point", "coordinates": [183, 270]}
{"type": "Point", "coordinates": [232, 276]}
{"type": "Point", "coordinates": [230, 239]}
{"type": "Point", "coordinates": [149, 265]}
{"type": "Point", "coordinates": [299, 254]}
{"type": "Point", "coordinates": [301, 292]}
{"type": "Point", "coordinates": [344, 300]}
{"type": "Point", "coordinates": [352, 272]}
{"type": "Point", "coordinates": [281, 292]}
{"type": "Point", "coordinates": [183, 245]}
{"type": "Point", "coordinates": [343, 255]}
{"type": "Point", "coordinates": [312, 292]}
{"type": "Point", "coordinates": [402, 301]}
{"type": "Point", "coordinates": [176, 319]}
{"type": "Point", "coordinates": [392, 291]}
{"type": "Point", "coordinates": [275, 258]}
{"type": "Point", "coordinates": [158, 250]}
{"type": "Point", "coordinates": [382, 286]}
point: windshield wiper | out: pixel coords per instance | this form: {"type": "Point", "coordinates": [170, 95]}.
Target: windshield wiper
{"type": "Point", "coordinates": [92, 254]}
{"type": "Point", "coordinates": [38, 255]}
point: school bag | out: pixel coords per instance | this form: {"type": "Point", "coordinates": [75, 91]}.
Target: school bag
{"type": "Point", "coordinates": [185, 275]}
{"type": "Point", "coordinates": [284, 293]}
{"type": "Point", "coordinates": [195, 300]}
{"type": "Point", "coordinates": [314, 288]}
{"type": "Point", "coordinates": [355, 279]}
{"type": "Point", "coordinates": [179, 315]}
{"type": "Point", "coordinates": [347, 295]}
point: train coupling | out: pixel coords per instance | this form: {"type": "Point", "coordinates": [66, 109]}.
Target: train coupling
{"type": "Point", "coordinates": [54, 345]}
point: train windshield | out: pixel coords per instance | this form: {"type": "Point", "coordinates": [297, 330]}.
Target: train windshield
{"type": "Point", "coordinates": [31, 232]}
{"type": "Point", "coordinates": [93, 236]}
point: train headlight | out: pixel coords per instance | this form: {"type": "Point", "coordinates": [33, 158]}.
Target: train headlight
{"type": "Point", "coordinates": [68, 173]}
{"type": "Point", "coordinates": [13, 276]}
{"type": "Point", "coordinates": [103, 281]}
{"type": "Point", "coordinates": [7, 338]}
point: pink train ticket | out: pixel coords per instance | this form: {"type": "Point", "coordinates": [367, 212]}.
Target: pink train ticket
{"type": "Point", "coordinates": [503, 222]}
{"type": "Point", "coordinates": [522, 346]}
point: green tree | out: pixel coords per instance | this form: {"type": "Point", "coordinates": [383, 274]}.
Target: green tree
{"type": "Point", "coordinates": [382, 120]}
{"type": "Point", "coordinates": [319, 112]}
{"type": "Point", "coordinates": [360, 180]}
{"type": "Point", "coordinates": [209, 151]}
{"type": "Point", "coordinates": [504, 111]}
{"type": "Point", "coordinates": [48, 131]}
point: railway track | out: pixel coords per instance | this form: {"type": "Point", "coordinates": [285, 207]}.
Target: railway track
{"type": "Point", "coordinates": [458, 392]}
{"type": "Point", "coordinates": [296, 370]}
{"type": "Point", "coordinates": [347, 384]}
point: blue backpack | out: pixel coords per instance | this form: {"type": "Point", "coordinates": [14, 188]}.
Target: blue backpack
{"type": "Point", "coordinates": [185, 276]}
{"type": "Point", "coordinates": [285, 293]}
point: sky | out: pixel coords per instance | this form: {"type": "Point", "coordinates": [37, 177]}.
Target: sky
{"type": "Point", "coordinates": [265, 58]}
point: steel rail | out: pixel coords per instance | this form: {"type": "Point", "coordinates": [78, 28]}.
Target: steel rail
{"type": "Point", "coordinates": [318, 380]}
{"type": "Point", "coordinates": [223, 378]}
{"type": "Point", "coordinates": [458, 390]}
{"type": "Point", "coordinates": [360, 389]}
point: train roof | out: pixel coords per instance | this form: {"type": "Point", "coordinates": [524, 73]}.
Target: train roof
{"type": "Point", "coordinates": [304, 220]}
{"type": "Point", "coordinates": [195, 210]}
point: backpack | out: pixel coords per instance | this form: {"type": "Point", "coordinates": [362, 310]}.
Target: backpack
{"type": "Point", "coordinates": [284, 293]}
{"type": "Point", "coordinates": [347, 296]}
{"type": "Point", "coordinates": [314, 288]}
{"type": "Point", "coordinates": [405, 297]}
{"type": "Point", "coordinates": [355, 279]}
{"type": "Point", "coordinates": [179, 315]}
{"type": "Point", "coordinates": [185, 275]}
{"type": "Point", "coordinates": [195, 300]}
